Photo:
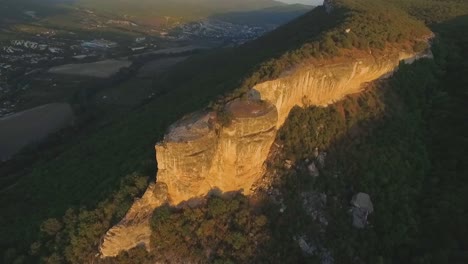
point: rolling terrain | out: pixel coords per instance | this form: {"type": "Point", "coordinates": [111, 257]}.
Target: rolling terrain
{"type": "Point", "coordinates": [79, 15]}
{"type": "Point", "coordinates": [82, 190]}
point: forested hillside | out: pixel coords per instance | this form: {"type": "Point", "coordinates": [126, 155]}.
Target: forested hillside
{"type": "Point", "coordinates": [403, 141]}
{"type": "Point", "coordinates": [391, 141]}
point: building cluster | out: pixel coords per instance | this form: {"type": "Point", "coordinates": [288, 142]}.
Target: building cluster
{"type": "Point", "coordinates": [22, 55]}
{"type": "Point", "coordinates": [25, 46]}
{"type": "Point", "coordinates": [217, 30]}
{"type": "Point", "coordinates": [19, 55]}
{"type": "Point", "coordinates": [20, 59]}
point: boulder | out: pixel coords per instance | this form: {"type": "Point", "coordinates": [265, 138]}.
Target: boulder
{"type": "Point", "coordinates": [362, 207]}
{"type": "Point", "coordinates": [313, 170]}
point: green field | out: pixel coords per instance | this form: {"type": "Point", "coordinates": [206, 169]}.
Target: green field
{"type": "Point", "coordinates": [32, 125]}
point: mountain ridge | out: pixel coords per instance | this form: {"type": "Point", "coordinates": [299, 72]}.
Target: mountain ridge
{"type": "Point", "coordinates": [119, 147]}
{"type": "Point", "coordinates": [203, 152]}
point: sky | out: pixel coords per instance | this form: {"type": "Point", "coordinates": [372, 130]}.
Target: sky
{"type": "Point", "coordinates": [307, 2]}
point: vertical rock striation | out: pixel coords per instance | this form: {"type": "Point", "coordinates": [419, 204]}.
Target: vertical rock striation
{"type": "Point", "coordinates": [186, 154]}
{"type": "Point", "coordinates": [135, 229]}
{"type": "Point", "coordinates": [324, 84]}
{"type": "Point", "coordinates": [242, 146]}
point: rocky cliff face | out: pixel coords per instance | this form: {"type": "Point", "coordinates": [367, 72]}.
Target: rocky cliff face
{"type": "Point", "coordinates": [322, 84]}
{"type": "Point", "coordinates": [135, 230]}
{"type": "Point", "coordinates": [199, 155]}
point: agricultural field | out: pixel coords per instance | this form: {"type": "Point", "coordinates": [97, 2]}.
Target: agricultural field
{"type": "Point", "coordinates": [31, 126]}
{"type": "Point", "coordinates": [100, 69]}
{"type": "Point", "coordinates": [158, 66]}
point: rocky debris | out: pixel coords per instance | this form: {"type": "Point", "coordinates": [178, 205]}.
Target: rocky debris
{"type": "Point", "coordinates": [314, 205]}
{"type": "Point", "coordinates": [276, 196]}
{"type": "Point", "coordinates": [307, 248]}
{"type": "Point", "coordinates": [313, 170]}
{"type": "Point", "coordinates": [288, 164]}
{"type": "Point", "coordinates": [314, 248]}
{"type": "Point", "coordinates": [321, 159]}
{"type": "Point", "coordinates": [326, 257]}
{"type": "Point", "coordinates": [362, 207]}
{"type": "Point", "coordinates": [318, 161]}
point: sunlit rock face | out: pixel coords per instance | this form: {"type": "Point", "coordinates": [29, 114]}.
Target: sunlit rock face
{"type": "Point", "coordinates": [199, 154]}
{"type": "Point", "coordinates": [243, 146]}
{"type": "Point", "coordinates": [321, 85]}
{"type": "Point", "coordinates": [186, 154]}
{"type": "Point", "coordinates": [135, 229]}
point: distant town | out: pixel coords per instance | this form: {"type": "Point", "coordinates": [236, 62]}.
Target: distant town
{"type": "Point", "coordinates": [22, 59]}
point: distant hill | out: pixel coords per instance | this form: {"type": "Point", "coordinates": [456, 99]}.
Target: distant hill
{"type": "Point", "coordinates": [69, 13]}
{"type": "Point", "coordinates": [276, 15]}
{"type": "Point", "coordinates": [180, 8]}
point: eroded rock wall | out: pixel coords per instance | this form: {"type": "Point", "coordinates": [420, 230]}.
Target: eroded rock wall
{"type": "Point", "coordinates": [322, 85]}
{"type": "Point", "coordinates": [186, 154]}
{"type": "Point", "coordinates": [222, 158]}
{"type": "Point", "coordinates": [135, 229]}
{"type": "Point", "coordinates": [199, 155]}
{"type": "Point", "coordinates": [242, 147]}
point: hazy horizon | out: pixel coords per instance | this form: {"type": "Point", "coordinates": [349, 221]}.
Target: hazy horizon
{"type": "Point", "coordinates": [305, 2]}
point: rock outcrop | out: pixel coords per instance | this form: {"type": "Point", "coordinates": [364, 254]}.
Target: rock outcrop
{"type": "Point", "coordinates": [199, 154]}
{"type": "Point", "coordinates": [362, 207]}
{"type": "Point", "coordinates": [135, 229]}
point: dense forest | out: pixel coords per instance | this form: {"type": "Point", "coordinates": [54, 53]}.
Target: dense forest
{"type": "Point", "coordinates": [403, 141]}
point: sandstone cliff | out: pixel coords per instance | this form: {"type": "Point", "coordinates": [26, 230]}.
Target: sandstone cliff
{"type": "Point", "coordinates": [135, 230]}
{"type": "Point", "coordinates": [199, 155]}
